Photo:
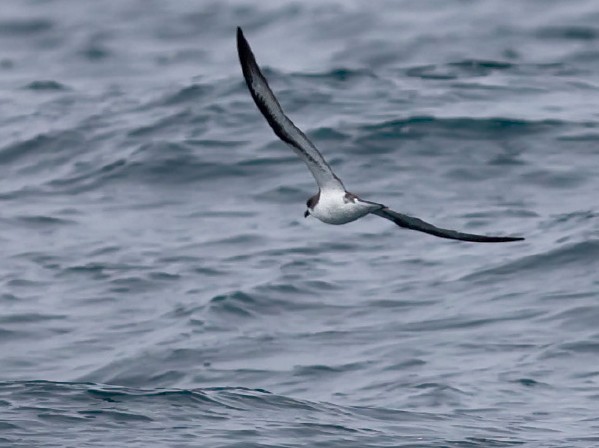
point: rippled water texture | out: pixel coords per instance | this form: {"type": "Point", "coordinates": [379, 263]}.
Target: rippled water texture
{"type": "Point", "coordinates": [160, 286]}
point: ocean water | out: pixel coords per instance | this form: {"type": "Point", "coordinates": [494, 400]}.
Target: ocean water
{"type": "Point", "coordinates": [161, 287]}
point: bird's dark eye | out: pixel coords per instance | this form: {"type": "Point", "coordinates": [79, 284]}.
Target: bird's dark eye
{"type": "Point", "coordinates": [308, 202]}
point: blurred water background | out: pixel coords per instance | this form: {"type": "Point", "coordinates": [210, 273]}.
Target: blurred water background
{"type": "Point", "coordinates": [160, 286]}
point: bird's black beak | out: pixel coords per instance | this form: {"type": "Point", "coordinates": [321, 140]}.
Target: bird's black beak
{"type": "Point", "coordinates": [306, 213]}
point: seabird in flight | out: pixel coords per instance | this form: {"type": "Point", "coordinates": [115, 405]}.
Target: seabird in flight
{"type": "Point", "coordinates": [333, 204]}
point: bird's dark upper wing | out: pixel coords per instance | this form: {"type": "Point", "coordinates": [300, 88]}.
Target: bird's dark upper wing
{"type": "Point", "coordinates": [279, 122]}
{"type": "Point", "coordinates": [409, 222]}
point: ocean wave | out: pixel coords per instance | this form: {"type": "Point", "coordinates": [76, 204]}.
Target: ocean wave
{"type": "Point", "coordinates": [464, 127]}
{"type": "Point", "coordinates": [569, 32]}
{"type": "Point", "coordinates": [248, 415]}
{"type": "Point", "coordinates": [25, 27]}
{"type": "Point", "coordinates": [46, 85]}
{"type": "Point", "coordinates": [568, 256]}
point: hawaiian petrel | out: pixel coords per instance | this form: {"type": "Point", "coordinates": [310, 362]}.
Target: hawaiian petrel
{"type": "Point", "coordinates": [333, 204]}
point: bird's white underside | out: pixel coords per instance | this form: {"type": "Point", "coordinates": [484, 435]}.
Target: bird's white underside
{"type": "Point", "coordinates": [334, 207]}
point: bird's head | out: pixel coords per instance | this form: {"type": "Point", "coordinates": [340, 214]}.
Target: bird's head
{"type": "Point", "coordinates": [311, 203]}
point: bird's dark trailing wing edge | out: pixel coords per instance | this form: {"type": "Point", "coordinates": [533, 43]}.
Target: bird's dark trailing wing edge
{"type": "Point", "coordinates": [409, 222]}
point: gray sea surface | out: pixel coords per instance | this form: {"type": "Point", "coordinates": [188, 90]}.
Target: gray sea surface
{"type": "Point", "coordinates": [160, 286]}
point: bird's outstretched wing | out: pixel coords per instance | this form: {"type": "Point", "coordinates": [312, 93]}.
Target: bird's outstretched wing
{"type": "Point", "coordinates": [278, 121]}
{"type": "Point", "coordinates": [409, 222]}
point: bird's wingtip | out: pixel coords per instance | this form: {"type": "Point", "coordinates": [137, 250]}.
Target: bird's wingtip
{"type": "Point", "coordinates": [242, 43]}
